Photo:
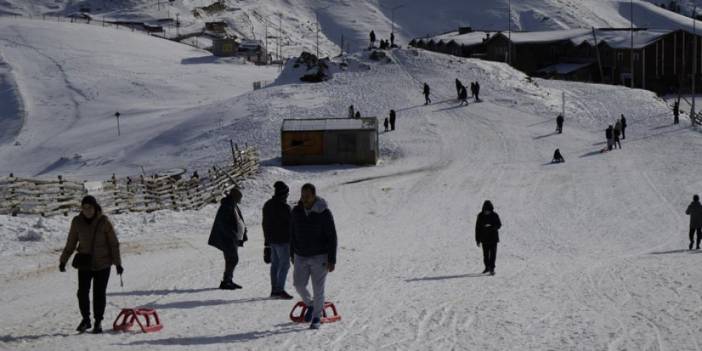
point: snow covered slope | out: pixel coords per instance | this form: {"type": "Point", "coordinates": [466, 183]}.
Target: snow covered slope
{"type": "Point", "coordinates": [591, 255]}
{"type": "Point", "coordinates": [73, 78]}
{"type": "Point", "coordinates": [354, 19]}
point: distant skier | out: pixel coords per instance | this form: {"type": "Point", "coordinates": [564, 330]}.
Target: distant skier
{"type": "Point", "coordinates": [695, 213]}
{"type": "Point", "coordinates": [313, 245]}
{"type": "Point", "coordinates": [427, 92]}
{"type": "Point", "coordinates": [392, 40]}
{"type": "Point", "coordinates": [351, 113]}
{"type": "Point", "coordinates": [463, 96]}
{"type": "Point", "coordinates": [487, 228]}
{"type": "Point", "coordinates": [92, 237]}
{"type": "Point", "coordinates": [559, 124]}
{"type": "Point", "coordinates": [392, 119]}
{"type": "Point", "coordinates": [477, 92]}
{"type": "Point", "coordinates": [276, 239]}
{"type": "Point", "coordinates": [387, 125]}
{"type": "Point", "coordinates": [676, 112]}
{"type": "Point", "coordinates": [459, 86]}
{"type": "Point", "coordinates": [557, 157]}
{"type": "Point", "coordinates": [609, 134]}
{"type": "Point", "coordinates": [623, 120]}
{"type": "Point", "coordinates": [372, 39]}
{"type": "Point", "coordinates": [228, 234]}
{"type": "Point", "coordinates": [617, 133]}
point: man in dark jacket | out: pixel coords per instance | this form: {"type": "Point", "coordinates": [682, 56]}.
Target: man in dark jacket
{"type": "Point", "coordinates": [623, 120]}
{"type": "Point", "coordinates": [276, 234]}
{"type": "Point", "coordinates": [559, 124]}
{"type": "Point", "coordinates": [609, 134]}
{"type": "Point", "coordinates": [392, 119]}
{"type": "Point", "coordinates": [459, 87]}
{"type": "Point", "coordinates": [372, 38]}
{"type": "Point", "coordinates": [486, 234]}
{"type": "Point", "coordinates": [228, 233]}
{"type": "Point", "coordinates": [477, 92]}
{"type": "Point", "coordinates": [313, 245]}
{"type": "Point", "coordinates": [695, 213]}
{"type": "Point", "coordinates": [426, 91]}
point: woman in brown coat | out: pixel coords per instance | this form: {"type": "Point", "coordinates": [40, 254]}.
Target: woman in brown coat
{"type": "Point", "coordinates": [98, 249]}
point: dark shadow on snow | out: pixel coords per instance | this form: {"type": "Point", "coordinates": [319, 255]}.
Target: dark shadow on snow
{"type": "Point", "coordinates": [676, 252]}
{"type": "Point", "coordinates": [160, 292]}
{"type": "Point", "coordinates": [592, 153]}
{"type": "Point", "coordinates": [545, 136]}
{"type": "Point", "coordinates": [182, 305]}
{"type": "Point", "coordinates": [447, 277]}
{"type": "Point", "coordinates": [221, 339]}
{"type": "Point", "coordinates": [26, 338]}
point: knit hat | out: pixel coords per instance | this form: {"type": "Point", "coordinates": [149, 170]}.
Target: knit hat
{"type": "Point", "coordinates": [281, 188]}
{"type": "Point", "coordinates": [90, 200]}
{"type": "Point", "coordinates": [487, 206]}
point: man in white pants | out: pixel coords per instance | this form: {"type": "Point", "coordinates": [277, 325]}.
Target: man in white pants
{"type": "Point", "coordinates": [313, 250]}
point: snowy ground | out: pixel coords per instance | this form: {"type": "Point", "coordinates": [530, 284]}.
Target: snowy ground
{"type": "Point", "coordinates": [592, 254]}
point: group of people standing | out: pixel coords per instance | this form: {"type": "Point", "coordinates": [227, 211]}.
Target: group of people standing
{"type": "Point", "coordinates": [384, 44]}
{"type": "Point", "coordinates": [389, 122]}
{"type": "Point", "coordinates": [463, 93]}
{"type": "Point", "coordinates": [616, 133]}
{"type": "Point", "coordinates": [304, 236]}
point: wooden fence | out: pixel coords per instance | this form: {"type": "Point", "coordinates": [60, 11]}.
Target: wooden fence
{"type": "Point", "coordinates": [119, 195]}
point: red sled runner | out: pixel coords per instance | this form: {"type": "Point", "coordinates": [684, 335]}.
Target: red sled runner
{"type": "Point", "coordinates": [326, 318]}
{"type": "Point", "coordinates": [126, 319]}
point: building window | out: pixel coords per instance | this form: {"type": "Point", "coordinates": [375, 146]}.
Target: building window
{"type": "Point", "coordinates": [346, 143]}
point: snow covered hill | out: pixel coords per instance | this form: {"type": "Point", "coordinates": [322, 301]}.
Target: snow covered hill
{"type": "Point", "coordinates": [593, 253]}
{"type": "Point", "coordinates": [295, 21]}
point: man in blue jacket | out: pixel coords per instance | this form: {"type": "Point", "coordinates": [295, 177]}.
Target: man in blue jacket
{"type": "Point", "coordinates": [313, 250]}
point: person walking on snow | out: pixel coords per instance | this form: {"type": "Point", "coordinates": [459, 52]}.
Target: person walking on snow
{"type": "Point", "coordinates": [487, 228]}
{"type": "Point", "coordinates": [676, 112]}
{"type": "Point", "coordinates": [623, 120]}
{"type": "Point", "coordinates": [392, 119]}
{"type": "Point", "coordinates": [228, 234]}
{"type": "Point", "coordinates": [97, 250]}
{"type": "Point", "coordinates": [313, 245]}
{"type": "Point", "coordinates": [477, 92]}
{"type": "Point", "coordinates": [372, 39]}
{"type": "Point", "coordinates": [392, 40]}
{"type": "Point", "coordinates": [276, 235]}
{"type": "Point", "coordinates": [559, 124]}
{"type": "Point", "coordinates": [386, 123]}
{"type": "Point", "coordinates": [463, 96]}
{"type": "Point", "coordinates": [695, 213]}
{"type": "Point", "coordinates": [358, 115]}
{"type": "Point", "coordinates": [609, 133]}
{"type": "Point", "coordinates": [617, 133]}
{"type": "Point", "coordinates": [351, 114]}
{"type": "Point", "coordinates": [459, 86]}
{"type": "Point", "coordinates": [426, 92]}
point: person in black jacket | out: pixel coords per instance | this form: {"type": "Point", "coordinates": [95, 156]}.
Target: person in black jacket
{"type": "Point", "coordinates": [557, 157]}
{"type": "Point", "coordinates": [559, 124]}
{"type": "Point", "coordinates": [228, 233]}
{"type": "Point", "coordinates": [426, 91]}
{"type": "Point", "coordinates": [392, 119]}
{"type": "Point", "coordinates": [623, 120]}
{"type": "Point", "coordinates": [276, 234]}
{"type": "Point", "coordinates": [313, 245]}
{"type": "Point", "coordinates": [695, 213]}
{"type": "Point", "coordinates": [609, 134]}
{"type": "Point", "coordinates": [459, 87]}
{"type": "Point", "coordinates": [486, 234]}
{"type": "Point", "coordinates": [477, 92]}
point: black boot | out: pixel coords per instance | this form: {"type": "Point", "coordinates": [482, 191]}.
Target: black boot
{"type": "Point", "coordinates": [230, 285]}
{"type": "Point", "coordinates": [98, 327]}
{"type": "Point", "coordinates": [690, 247]}
{"type": "Point", "coordinates": [83, 326]}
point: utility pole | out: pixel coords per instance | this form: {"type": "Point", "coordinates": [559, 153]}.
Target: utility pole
{"type": "Point", "coordinates": [117, 114]}
{"type": "Point", "coordinates": [280, 33]}
{"type": "Point", "coordinates": [631, 18]}
{"type": "Point", "coordinates": [509, 32]}
{"type": "Point", "coordinates": [266, 42]}
{"type": "Point", "coordinates": [694, 63]}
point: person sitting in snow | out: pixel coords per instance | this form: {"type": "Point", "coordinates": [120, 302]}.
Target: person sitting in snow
{"type": "Point", "coordinates": [557, 157]}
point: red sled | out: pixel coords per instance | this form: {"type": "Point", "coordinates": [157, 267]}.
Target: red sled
{"type": "Point", "coordinates": [326, 318]}
{"type": "Point", "coordinates": [126, 319]}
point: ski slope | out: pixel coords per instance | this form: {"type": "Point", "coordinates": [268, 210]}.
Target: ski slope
{"type": "Point", "coordinates": [592, 254]}
{"type": "Point", "coordinates": [71, 79]}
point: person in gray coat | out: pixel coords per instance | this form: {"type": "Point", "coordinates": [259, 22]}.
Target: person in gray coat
{"type": "Point", "coordinates": [695, 213]}
{"type": "Point", "coordinates": [228, 234]}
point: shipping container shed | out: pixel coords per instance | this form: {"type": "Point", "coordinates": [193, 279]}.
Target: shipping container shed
{"type": "Point", "coordinates": [330, 141]}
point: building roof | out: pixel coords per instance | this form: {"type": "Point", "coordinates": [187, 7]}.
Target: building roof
{"type": "Point", "coordinates": [467, 39]}
{"type": "Point", "coordinates": [621, 39]}
{"type": "Point", "coordinates": [322, 124]}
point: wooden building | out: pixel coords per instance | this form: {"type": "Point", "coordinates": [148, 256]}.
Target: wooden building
{"type": "Point", "coordinates": [225, 47]}
{"type": "Point", "coordinates": [330, 141]}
